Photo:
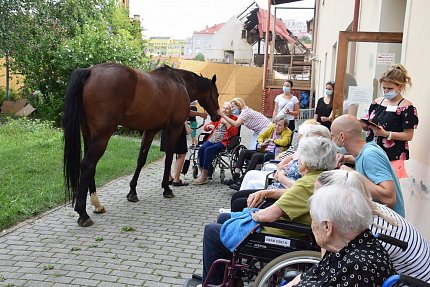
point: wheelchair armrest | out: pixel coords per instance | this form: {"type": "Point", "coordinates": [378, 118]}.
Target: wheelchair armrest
{"type": "Point", "coordinates": [411, 281]}
{"type": "Point", "coordinates": [290, 226]}
{"type": "Point", "coordinates": [408, 280]}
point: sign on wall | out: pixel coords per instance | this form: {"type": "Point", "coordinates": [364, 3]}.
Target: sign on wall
{"type": "Point", "coordinates": [385, 58]}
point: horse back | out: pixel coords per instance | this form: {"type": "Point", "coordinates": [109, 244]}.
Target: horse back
{"type": "Point", "coordinates": [118, 95]}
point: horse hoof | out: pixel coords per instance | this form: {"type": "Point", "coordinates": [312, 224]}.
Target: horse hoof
{"type": "Point", "coordinates": [132, 198]}
{"type": "Point", "coordinates": [168, 195]}
{"type": "Point", "coordinates": [85, 223]}
{"type": "Point", "coordinates": [99, 210]}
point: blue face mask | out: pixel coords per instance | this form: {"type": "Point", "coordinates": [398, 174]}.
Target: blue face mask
{"type": "Point", "coordinates": [235, 112]}
{"type": "Point", "coordinates": [390, 95]}
{"type": "Point", "coordinates": [286, 89]}
{"type": "Point", "coordinates": [328, 92]}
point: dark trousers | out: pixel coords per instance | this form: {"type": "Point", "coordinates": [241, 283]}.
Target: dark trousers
{"type": "Point", "coordinates": [207, 153]}
{"type": "Point", "coordinates": [239, 200]}
{"type": "Point", "coordinates": [254, 158]}
{"type": "Point", "coordinates": [213, 249]}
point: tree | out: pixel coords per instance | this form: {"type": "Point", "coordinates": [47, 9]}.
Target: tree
{"type": "Point", "coordinates": [59, 36]}
{"type": "Point", "coordinates": [199, 57]}
{"type": "Point", "coordinates": [305, 39]}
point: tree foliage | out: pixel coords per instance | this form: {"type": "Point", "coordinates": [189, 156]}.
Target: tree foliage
{"type": "Point", "coordinates": [48, 39]}
{"type": "Point", "coordinates": [199, 57]}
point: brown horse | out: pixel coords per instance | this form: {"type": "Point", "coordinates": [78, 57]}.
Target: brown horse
{"type": "Point", "coordinates": [100, 98]}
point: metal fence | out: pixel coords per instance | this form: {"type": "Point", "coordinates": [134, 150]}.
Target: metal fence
{"type": "Point", "coordinates": [305, 114]}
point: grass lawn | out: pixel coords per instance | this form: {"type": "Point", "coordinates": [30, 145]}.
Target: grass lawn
{"type": "Point", "coordinates": [31, 167]}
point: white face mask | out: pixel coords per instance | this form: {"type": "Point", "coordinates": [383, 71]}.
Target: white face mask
{"type": "Point", "coordinates": [389, 95]}
{"type": "Point", "coordinates": [328, 92]}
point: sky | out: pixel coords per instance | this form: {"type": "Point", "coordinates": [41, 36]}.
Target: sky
{"type": "Point", "coordinates": [180, 18]}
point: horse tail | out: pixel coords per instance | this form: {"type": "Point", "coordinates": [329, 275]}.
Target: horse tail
{"type": "Point", "coordinates": [73, 116]}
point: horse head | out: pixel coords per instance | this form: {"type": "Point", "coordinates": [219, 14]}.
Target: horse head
{"type": "Point", "coordinates": [203, 90]}
{"type": "Point", "coordinates": [212, 105]}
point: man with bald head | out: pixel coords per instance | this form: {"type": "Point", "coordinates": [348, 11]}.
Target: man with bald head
{"type": "Point", "coordinates": [370, 160]}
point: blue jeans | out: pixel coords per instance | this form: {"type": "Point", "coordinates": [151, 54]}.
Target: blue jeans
{"type": "Point", "coordinates": [213, 249]}
{"type": "Point", "coordinates": [207, 153]}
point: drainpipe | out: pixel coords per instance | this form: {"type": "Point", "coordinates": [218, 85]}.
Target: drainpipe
{"type": "Point", "coordinates": [314, 52]}
{"type": "Point", "coordinates": [354, 29]}
{"type": "Point", "coordinates": [266, 48]}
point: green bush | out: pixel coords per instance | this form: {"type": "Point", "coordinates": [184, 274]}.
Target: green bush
{"type": "Point", "coordinates": [14, 94]}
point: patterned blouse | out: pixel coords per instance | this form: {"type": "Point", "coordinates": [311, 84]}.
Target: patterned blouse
{"type": "Point", "coordinates": [403, 118]}
{"type": "Point", "coordinates": [363, 262]}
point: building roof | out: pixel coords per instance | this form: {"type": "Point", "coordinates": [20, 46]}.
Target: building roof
{"type": "Point", "coordinates": [210, 30]}
{"type": "Point", "coordinates": [280, 28]}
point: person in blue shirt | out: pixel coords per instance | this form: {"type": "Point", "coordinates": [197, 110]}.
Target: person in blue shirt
{"type": "Point", "coordinates": [370, 160]}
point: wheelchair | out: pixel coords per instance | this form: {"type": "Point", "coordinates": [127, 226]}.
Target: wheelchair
{"type": "Point", "coordinates": [225, 160]}
{"type": "Point", "coordinates": [286, 267]}
{"type": "Point", "coordinates": [257, 250]}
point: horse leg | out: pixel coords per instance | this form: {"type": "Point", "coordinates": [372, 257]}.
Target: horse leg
{"type": "Point", "coordinates": [173, 134]}
{"type": "Point", "coordinates": [95, 151]}
{"type": "Point", "coordinates": [94, 200]}
{"type": "Point", "coordinates": [147, 138]}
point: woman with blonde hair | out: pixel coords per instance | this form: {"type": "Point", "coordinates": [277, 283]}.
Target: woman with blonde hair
{"type": "Point", "coordinates": [395, 118]}
{"type": "Point", "coordinates": [251, 119]}
{"type": "Point", "coordinates": [415, 260]}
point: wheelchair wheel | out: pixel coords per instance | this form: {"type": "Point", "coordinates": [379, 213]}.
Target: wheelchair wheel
{"type": "Point", "coordinates": [289, 264]}
{"type": "Point", "coordinates": [195, 171]}
{"type": "Point", "coordinates": [234, 156]}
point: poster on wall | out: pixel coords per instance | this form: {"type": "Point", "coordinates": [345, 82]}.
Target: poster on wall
{"type": "Point", "coordinates": [385, 58]}
{"type": "Point", "coordinates": [362, 97]}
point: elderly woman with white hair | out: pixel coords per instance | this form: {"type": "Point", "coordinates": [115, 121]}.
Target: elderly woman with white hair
{"type": "Point", "coordinates": [415, 260]}
{"type": "Point", "coordinates": [285, 177]}
{"type": "Point", "coordinates": [316, 155]}
{"type": "Point", "coordinates": [354, 257]}
{"type": "Point", "coordinates": [287, 170]}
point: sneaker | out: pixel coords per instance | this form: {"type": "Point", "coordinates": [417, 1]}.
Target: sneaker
{"type": "Point", "coordinates": [235, 186]}
{"type": "Point", "coordinates": [179, 183]}
{"type": "Point", "coordinates": [200, 181]}
{"type": "Point", "coordinates": [224, 210]}
{"type": "Point", "coordinates": [235, 178]}
{"type": "Point", "coordinates": [230, 181]}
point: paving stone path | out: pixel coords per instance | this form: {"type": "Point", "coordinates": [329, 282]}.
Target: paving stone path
{"type": "Point", "coordinates": [154, 242]}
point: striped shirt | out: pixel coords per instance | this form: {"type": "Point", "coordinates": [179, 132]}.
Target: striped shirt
{"type": "Point", "coordinates": [415, 261]}
{"type": "Point", "coordinates": [254, 120]}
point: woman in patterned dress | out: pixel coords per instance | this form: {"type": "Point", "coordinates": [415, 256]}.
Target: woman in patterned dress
{"type": "Point", "coordinates": [395, 116]}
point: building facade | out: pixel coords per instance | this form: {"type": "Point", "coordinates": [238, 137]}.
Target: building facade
{"type": "Point", "coordinates": [165, 46]}
{"type": "Point", "coordinates": [197, 42]}
{"type": "Point", "coordinates": [366, 61]}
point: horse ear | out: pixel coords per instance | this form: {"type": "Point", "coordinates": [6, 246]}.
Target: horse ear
{"type": "Point", "coordinates": [214, 79]}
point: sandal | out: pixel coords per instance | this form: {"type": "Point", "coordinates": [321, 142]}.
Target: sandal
{"type": "Point", "coordinates": [179, 183]}
{"type": "Point", "coordinates": [200, 181]}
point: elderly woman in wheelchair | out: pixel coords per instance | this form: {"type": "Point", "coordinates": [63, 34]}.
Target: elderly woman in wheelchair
{"type": "Point", "coordinates": [414, 260]}
{"type": "Point", "coordinates": [283, 178]}
{"type": "Point", "coordinates": [316, 155]}
{"type": "Point", "coordinates": [353, 256]}
{"type": "Point", "coordinates": [273, 140]}
{"type": "Point", "coordinates": [408, 250]}
{"type": "Point", "coordinates": [218, 139]}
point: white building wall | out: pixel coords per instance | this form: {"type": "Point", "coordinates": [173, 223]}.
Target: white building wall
{"type": "Point", "coordinates": [409, 17]}
{"type": "Point", "coordinates": [335, 15]}
{"type": "Point", "coordinates": [415, 58]}
{"type": "Point", "coordinates": [228, 38]}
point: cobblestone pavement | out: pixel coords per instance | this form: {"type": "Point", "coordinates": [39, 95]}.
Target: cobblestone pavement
{"type": "Point", "coordinates": [154, 242]}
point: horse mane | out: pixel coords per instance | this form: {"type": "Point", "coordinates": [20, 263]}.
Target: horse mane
{"type": "Point", "coordinates": [202, 83]}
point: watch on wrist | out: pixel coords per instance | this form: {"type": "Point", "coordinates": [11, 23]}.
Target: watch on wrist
{"type": "Point", "coordinates": [390, 134]}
